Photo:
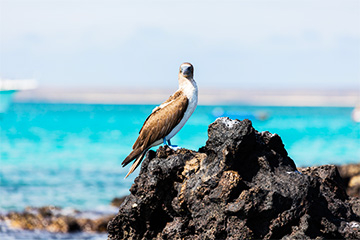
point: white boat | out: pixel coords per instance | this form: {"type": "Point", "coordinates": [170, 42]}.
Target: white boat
{"type": "Point", "coordinates": [355, 115]}
{"type": "Point", "coordinates": [9, 87]}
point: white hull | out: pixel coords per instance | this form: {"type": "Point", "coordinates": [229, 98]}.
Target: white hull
{"type": "Point", "coordinates": [9, 87]}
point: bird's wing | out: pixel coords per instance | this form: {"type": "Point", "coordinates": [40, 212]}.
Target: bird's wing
{"type": "Point", "coordinates": [160, 122]}
{"type": "Point", "coordinates": [170, 99]}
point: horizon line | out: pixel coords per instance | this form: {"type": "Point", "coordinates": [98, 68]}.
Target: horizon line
{"type": "Point", "coordinates": [208, 96]}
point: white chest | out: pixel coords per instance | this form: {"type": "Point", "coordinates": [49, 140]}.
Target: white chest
{"type": "Point", "coordinates": [191, 92]}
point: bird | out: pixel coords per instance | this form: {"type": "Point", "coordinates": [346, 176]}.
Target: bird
{"type": "Point", "coordinates": [166, 120]}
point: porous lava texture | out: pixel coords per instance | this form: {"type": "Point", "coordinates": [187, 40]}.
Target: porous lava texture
{"type": "Point", "coordinates": [241, 185]}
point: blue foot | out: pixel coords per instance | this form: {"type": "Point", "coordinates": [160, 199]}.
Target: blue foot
{"type": "Point", "coordinates": [173, 147]}
{"type": "Point", "coordinates": [296, 171]}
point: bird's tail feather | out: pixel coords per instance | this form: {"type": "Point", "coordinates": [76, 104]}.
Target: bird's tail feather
{"type": "Point", "coordinates": [134, 154]}
{"type": "Point", "coordinates": [136, 163]}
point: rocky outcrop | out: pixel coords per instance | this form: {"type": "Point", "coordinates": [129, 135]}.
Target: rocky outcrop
{"type": "Point", "coordinates": [55, 219]}
{"type": "Point", "coordinates": [351, 175]}
{"type": "Point", "coordinates": [241, 185]}
{"type": "Point", "coordinates": [116, 202]}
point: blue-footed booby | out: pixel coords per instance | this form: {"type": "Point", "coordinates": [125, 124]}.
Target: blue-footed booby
{"type": "Point", "coordinates": [167, 119]}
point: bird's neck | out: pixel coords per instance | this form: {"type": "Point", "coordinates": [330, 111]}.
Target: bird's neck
{"type": "Point", "coordinates": [185, 82]}
{"type": "Point", "coordinates": [188, 86]}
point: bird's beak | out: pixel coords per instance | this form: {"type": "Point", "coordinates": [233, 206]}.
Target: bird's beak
{"type": "Point", "coordinates": [187, 71]}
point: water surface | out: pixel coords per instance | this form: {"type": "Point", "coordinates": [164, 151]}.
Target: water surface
{"type": "Point", "coordinates": [70, 155]}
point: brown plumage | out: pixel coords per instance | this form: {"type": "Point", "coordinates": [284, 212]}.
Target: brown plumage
{"type": "Point", "coordinates": [157, 126]}
{"type": "Point", "coordinates": [167, 119]}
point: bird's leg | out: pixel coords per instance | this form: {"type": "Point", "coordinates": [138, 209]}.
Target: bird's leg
{"type": "Point", "coordinates": [173, 147]}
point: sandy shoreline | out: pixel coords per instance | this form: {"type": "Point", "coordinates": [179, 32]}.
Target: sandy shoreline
{"type": "Point", "coordinates": [346, 98]}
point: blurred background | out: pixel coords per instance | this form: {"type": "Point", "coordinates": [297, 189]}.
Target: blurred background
{"type": "Point", "coordinates": [88, 73]}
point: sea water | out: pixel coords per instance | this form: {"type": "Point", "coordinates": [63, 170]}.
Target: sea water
{"type": "Point", "coordinates": [70, 155]}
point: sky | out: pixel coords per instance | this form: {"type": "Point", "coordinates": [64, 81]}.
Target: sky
{"type": "Point", "coordinates": [232, 44]}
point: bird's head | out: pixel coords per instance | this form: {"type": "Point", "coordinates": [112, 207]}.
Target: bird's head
{"type": "Point", "coordinates": [186, 70]}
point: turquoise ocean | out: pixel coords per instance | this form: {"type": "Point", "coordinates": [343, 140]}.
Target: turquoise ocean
{"type": "Point", "coordinates": [70, 155]}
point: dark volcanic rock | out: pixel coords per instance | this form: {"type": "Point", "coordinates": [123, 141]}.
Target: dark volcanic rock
{"type": "Point", "coordinates": [241, 185]}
